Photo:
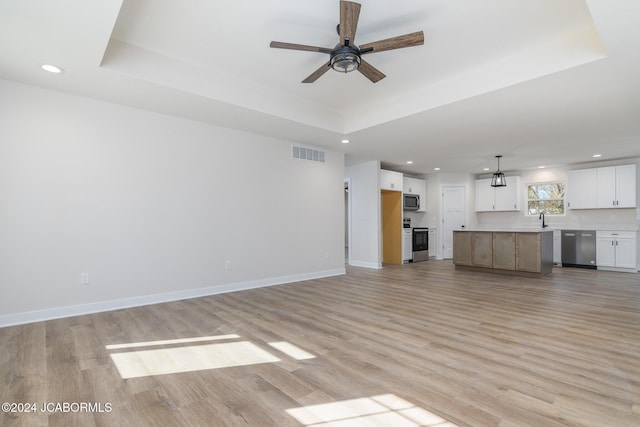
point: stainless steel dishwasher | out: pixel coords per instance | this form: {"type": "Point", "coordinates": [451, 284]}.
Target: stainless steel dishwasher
{"type": "Point", "coordinates": [579, 248]}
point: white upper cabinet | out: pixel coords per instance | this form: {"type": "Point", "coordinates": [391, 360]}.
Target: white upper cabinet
{"type": "Point", "coordinates": [607, 187]}
{"type": "Point", "coordinates": [485, 195]}
{"type": "Point", "coordinates": [616, 187]}
{"type": "Point", "coordinates": [390, 180]}
{"type": "Point", "coordinates": [416, 186]}
{"type": "Point", "coordinates": [494, 199]}
{"type": "Point", "coordinates": [581, 189]}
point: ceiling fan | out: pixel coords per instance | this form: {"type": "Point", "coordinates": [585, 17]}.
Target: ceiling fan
{"type": "Point", "coordinates": [346, 55]}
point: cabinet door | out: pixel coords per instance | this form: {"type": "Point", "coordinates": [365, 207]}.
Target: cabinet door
{"type": "Point", "coordinates": [482, 249]}
{"type": "Point", "coordinates": [409, 185]}
{"type": "Point", "coordinates": [606, 187]}
{"type": "Point", "coordinates": [557, 247]}
{"type": "Point", "coordinates": [485, 195]}
{"type": "Point", "coordinates": [462, 248]}
{"type": "Point", "coordinates": [625, 253]}
{"type": "Point", "coordinates": [390, 180]}
{"type": "Point", "coordinates": [581, 189]}
{"type": "Point", "coordinates": [528, 252]}
{"type": "Point", "coordinates": [504, 251]}
{"type": "Point", "coordinates": [605, 252]}
{"type": "Point", "coordinates": [508, 198]}
{"type": "Point", "coordinates": [626, 186]}
{"type": "Point", "coordinates": [433, 242]}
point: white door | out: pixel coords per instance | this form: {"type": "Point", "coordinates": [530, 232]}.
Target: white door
{"type": "Point", "coordinates": [454, 215]}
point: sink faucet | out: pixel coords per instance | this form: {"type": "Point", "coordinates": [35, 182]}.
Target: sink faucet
{"type": "Point", "coordinates": [542, 218]}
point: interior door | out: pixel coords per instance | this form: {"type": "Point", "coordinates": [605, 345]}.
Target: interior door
{"type": "Point", "coordinates": [454, 215]}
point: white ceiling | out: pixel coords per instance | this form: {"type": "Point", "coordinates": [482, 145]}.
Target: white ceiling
{"type": "Point", "coordinates": [542, 82]}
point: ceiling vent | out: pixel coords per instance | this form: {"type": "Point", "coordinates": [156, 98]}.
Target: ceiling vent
{"type": "Point", "coordinates": [307, 154]}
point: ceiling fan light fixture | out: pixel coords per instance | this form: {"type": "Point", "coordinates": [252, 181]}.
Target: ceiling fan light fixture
{"type": "Point", "coordinates": [345, 59]}
{"type": "Point", "coordinates": [498, 179]}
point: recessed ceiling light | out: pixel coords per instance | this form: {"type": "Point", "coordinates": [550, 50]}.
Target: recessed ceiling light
{"type": "Point", "coordinates": [597, 155]}
{"type": "Point", "coordinates": [436, 169]}
{"type": "Point", "coordinates": [486, 169]}
{"type": "Point", "coordinates": [541, 167]}
{"type": "Point", "coordinates": [52, 69]}
{"type": "Point", "coordinates": [409, 162]}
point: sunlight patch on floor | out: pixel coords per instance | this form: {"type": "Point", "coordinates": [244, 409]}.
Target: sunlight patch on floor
{"type": "Point", "coordinates": [382, 410]}
{"type": "Point", "coordinates": [292, 350]}
{"type": "Point", "coordinates": [143, 363]}
{"type": "Point", "coordinates": [175, 357]}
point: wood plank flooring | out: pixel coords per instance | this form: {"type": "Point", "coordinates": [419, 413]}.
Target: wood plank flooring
{"type": "Point", "coordinates": [420, 344]}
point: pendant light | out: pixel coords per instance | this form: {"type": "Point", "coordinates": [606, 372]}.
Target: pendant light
{"type": "Point", "coordinates": [498, 179]}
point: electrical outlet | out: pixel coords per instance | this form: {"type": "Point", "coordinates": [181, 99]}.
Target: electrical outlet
{"type": "Point", "coordinates": [227, 265]}
{"type": "Point", "coordinates": [84, 278]}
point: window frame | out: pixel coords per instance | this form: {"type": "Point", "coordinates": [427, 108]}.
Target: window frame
{"type": "Point", "coordinates": [563, 199]}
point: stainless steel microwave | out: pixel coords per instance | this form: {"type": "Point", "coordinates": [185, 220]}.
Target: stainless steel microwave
{"type": "Point", "coordinates": [411, 202]}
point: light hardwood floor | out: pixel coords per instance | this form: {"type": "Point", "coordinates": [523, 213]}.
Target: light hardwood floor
{"type": "Point", "coordinates": [418, 344]}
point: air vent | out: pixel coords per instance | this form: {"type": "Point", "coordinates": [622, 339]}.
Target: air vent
{"type": "Point", "coordinates": [307, 154]}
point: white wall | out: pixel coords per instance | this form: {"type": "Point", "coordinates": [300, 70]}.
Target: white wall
{"type": "Point", "coordinates": [366, 250]}
{"type": "Point", "coordinates": [150, 206]}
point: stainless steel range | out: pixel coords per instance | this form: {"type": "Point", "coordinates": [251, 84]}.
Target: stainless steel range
{"type": "Point", "coordinates": [420, 244]}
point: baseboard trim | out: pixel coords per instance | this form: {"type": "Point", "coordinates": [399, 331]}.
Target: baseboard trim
{"type": "Point", "coordinates": [618, 269]}
{"type": "Point", "coordinates": [366, 264]}
{"type": "Point", "coordinates": [98, 307]}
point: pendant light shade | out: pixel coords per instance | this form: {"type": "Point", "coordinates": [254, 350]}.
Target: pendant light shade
{"type": "Point", "coordinates": [498, 179]}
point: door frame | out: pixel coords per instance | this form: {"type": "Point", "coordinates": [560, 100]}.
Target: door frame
{"type": "Point", "coordinates": [347, 190]}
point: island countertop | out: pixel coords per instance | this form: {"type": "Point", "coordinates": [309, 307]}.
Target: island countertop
{"type": "Point", "coordinates": [507, 230]}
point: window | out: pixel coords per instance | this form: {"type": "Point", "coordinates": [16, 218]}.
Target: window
{"type": "Point", "coordinates": [547, 198]}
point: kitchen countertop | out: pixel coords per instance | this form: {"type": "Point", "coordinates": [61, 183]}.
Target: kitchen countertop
{"type": "Point", "coordinates": [596, 227]}
{"type": "Point", "coordinates": [524, 229]}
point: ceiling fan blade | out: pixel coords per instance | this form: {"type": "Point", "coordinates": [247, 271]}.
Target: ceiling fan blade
{"type": "Point", "coordinates": [370, 72]}
{"type": "Point", "coordinates": [408, 40]}
{"type": "Point", "coordinates": [349, 14]}
{"type": "Point", "coordinates": [317, 73]}
{"type": "Point", "coordinates": [293, 46]}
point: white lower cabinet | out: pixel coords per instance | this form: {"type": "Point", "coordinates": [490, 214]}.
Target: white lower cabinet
{"type": "Point", "coordinates": [616, 250]}
{"type": "Point", "coordinates": [407, 245]}
{"type": "Point", "coordinates": [557, 247]}
{"type": "Point", "coordinates": [433, 243]}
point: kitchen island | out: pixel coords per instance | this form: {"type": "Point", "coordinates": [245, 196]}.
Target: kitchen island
{"type": "Point", "coordinates": [509, 251]}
